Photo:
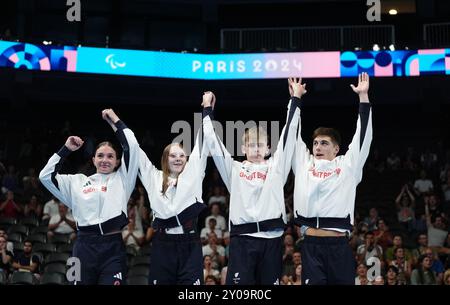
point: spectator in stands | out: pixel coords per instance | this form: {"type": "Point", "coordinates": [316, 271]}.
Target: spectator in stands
{"type": "Point", "coordinates": [372, 219]}
{"type": "Point", "coordinates": [289, 267]}
{"type": "Point", "coordinates": [132, 234]}
{"type": "Point", "coordinates": [369, 249]}
{"type": "Point", "coordinates": [393, 161]}
{"type": "Point", "coordinates": [215, 251]}
{"type": "Point", "coordinates": [9, 244]}
{"type": "Point", "coordinates": [5, 256]}
{"type": "Point", "coordinates": [62, 224]}
{"type": "Point", "coordinates": [211, 280]}
{"type": "Point", "coordinates": [436, 265]}
{"type": "Point", "coordinates": [358, 235]}
{"type": "Point", "coordinates": [297, 278]}
{"type": "Point", "coordinates": [428, 159]}
{"type": "Point", "coordinates": [433, 204]}
{"type": "Point", "coordinates": [218, 195]}
{"type": "Point", "coordinates": [9, 208]}
{"type": "Point", "coordinates": [403, 265]}
{"type": "Point", "coordinates": [208, 269]}
{"type": "Point", "coordinates": [423, 275]}
{"type": "Point", "coordinates": [382, 234]}
{"type": "Point", "coordinates": [143, 205]}
{"type": "Point", "coordinates": [285, 280]}
{"type": "Point", "coordinates": [405, 204]}
{"type": "Point", "coordinates": [211, 228]}
{"type": "Point", "coordinates": [51, 208]}
{"type": "Point", "coordinates": [135, 206]}
{"type": "Point", "coordinates": [437, 232]}
{"type": "Point", "coordinates": [397, 242]}
{"type": "Point", "coordinates": [361, 275]}
{"type": "Point", "coordinates": [423, 185]}
{"type": "Point", "coordinates": [33, 208]}
{"type": "Point", "coordinates": [422, 242]}
{"type": "Point", "coordinates": [221, 222]}
{"type": "Point", "coordinates": [391, 275]}
{"type": "Point", "coordinates": [288, 247]}
{"type": "Point", "coordinates": [26, 261]}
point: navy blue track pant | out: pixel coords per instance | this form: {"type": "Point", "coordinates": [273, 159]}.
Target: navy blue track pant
{"type": "Point", "coordinates": [103, 259]}
{"type": "Point", "coordinates": [327, 261]}
{"type": "Point", "coordinates": [176, 259]}
{"type": "Point", "coordinates": [255, 261]}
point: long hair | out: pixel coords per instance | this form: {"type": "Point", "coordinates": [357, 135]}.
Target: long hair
{"type": "Point", "coordinates": [165, 166]}
{"type": "Point", "coordinates": [421, 271]}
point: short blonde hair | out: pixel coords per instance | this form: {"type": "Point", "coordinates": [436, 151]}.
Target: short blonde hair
{"type": "Point", "coordinates": [257, 132]}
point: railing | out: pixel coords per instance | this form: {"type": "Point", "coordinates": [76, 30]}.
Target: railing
{"type": "Point", "coordinates": [436, 35]}
{"type": "Point", "coordinates": [306, 38]}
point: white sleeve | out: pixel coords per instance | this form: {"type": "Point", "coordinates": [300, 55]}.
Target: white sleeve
{"type": "Point", "coordinates": [146, 171]}
{"type": "Point", "coordinates": [301, 153]}
{"type": "Point", "coordinates": [58, 185]}
{"type": "Point", "coordinates": [285, 149]}
{"type": "Point", "coordinates": [221, 157]}
{"type": "Point", "coordinates": [130, 160]}
{"type": "Point", "coordinates": [199, 154]}
{"type": "Point", "coordinates": [359, 148]}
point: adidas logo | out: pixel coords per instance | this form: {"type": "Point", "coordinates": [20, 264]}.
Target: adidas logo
{"type": "Point", "coordinates": [86, 184]}
{"type": "Point", "coordinates": [277, 282]}
{"type": "Point", "coordinates": [197, 282]}
{"type": "Point", "coordinates": [118, 276]}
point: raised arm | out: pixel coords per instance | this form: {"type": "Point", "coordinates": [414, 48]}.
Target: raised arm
{"type": "Point", "coordinates": [200, 151]}
{"type": "Point", "coordinates": [59, 185]}
{"type": "Point", "coordinates": [411, 197]}
{"type": "Point", "coordinates": [301, 151]}
{"type": "Point", "coordinates": [399, 198]}
{"type": "Point", "coordinates": [286, 146]}
{"type": "Point", "coordinates": [359, 148]}
{"type": "Point", "coordinates": [130, 150]}
{"type": "Point", "coordinates": [146, 171]}
{"type": "Point", "coordinates": [221, 156]}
